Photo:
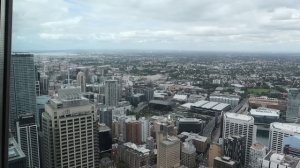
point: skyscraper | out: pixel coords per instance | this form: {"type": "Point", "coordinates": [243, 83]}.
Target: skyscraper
{"type": "Point", "coordinates": [243, 125]}
{"type": "Point", "coordinates": [44, 83]}
{"type": "Point", "coordinates": [145, 129]}
{"type": "Point", "coordinates": [293, 105]}
{"type": "Point", "coordinates": [68, 131]}
{"type": "Point", "coordinates": [81, 81]}
{"type": "Point", "coordinates": [22, 87]}
{"type": "Point", "coordinates": [112, 92]}
{"type": "Point", "coordinates": [27, 133]}
{"type": "Point", "coordinates": [168, 154]}
{"type": "Point", "coordinates": [278, 131]}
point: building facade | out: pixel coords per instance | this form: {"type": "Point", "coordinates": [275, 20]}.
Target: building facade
{"type": "Point", "coordinates": [68, 131]}
{"type": "Point", "coordinates": [278, 131]}
{"type": "Point", "coordinates": [16, 157]}
{"type": "Point", "coordinates": [188, 154]}
{"type": "Point", "coordinates": [112, 92]}
{"type": "Point", "coordinates": [27, 133]}
{"type": "Point", "coordinates": [22, 87]}
{"type": "Point", "coordinates": [293, 105]}
{"type": "Point", "coordinates": [242, 125]}
{"type": "Point", "coordinates": [81, 81]}
{"type": "Point", "coordinates": [257, 154]}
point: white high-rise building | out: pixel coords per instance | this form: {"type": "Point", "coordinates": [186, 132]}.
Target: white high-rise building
{"type": "Point", "coordinates": [68, 131]}
{"type": "Point", "coordinates": [112, 92]}
{"type": "Point", "coordinates": [81, 81]}
{"type": "Point", "coordinates": [239, 124]}
{"type": "Point", "coordinates": [27, 133]}
{"type": "Point", "coordinates": [145, 129]}
{"type": "Point", "coordinates": [278, 131]}
{"type": "Point", "coordinates": [257, 154]}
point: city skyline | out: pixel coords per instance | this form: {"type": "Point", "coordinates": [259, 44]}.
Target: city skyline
{"type": "Point", "coordinates": [158, 25]}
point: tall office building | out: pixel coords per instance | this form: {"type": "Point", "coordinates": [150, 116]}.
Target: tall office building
{"type": "Point", "coordinates": [112, 92]}
{"type": "Point", "coordinates": [68, 131]}
{"type": "Point", "coordinates": [44, 83]}
{"type": "Point", "coordinates": [22, 87]}
{"type": "Point", "coordinates": [134, 132]}
{"type": "Point", "coordinates": [293, 105]}
{"type": "Point", "coordinates": [234, 147]}
{"type": "Point", "coordinates": [243, 125]}
{"type": "Point", "coordinates": [190, 125]}
{"type": "Point", "coordinates": [81, 81]}
{"type": "Point", "coordinates": [27, 133]}
{"type": "Point", "coordinates": [168, 154]}
{"type": "Point", "coordinates": [16, 157]}
{"type": "Point", "coordinates": [278, 131]}
{"type": "Point", "coordinates": [106, 117]}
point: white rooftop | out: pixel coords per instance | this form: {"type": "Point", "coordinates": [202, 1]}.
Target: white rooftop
{"type": "Point", "coordinates": [262, 111]}
{"type": "Point", "coordinates": [187, 105]}
{"type": "Point", "coordinates": [189, 120]}
{"type": "Point", "coordinates": [238, 116]}
{"type": "Point", "coordinates": [209, 105]}
{"type": "Point", "coordinates": [140, 148]}
{"type": "Point", "coordinates": [220, 106]}
{"type": "Point", "coordinates": [200, 103]}
{"type": "Point", "coordinates": [180, 97]}
{"type": "Point", "coordinates": [288, 127]}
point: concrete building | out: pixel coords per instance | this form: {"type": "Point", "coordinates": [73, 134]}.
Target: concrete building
{"type": "Point", "coordinates": [204, 107]}
{"type": "Point", "coordinates": [279, 160]}
{"type": "Point", "coordinates": [133, 155]}
{"type": "Point", "coordinates": [40, 108]}
{"type": "Point", "coordinates": [16, 157]}
{"type": "Point", "coordinates": [81, 81]}
{"type": "Point", "coordinates": [112, 92]}
{"type": "Point", "coordinates": [257, 154]}
{"type": "Point", "coordinates": [200, 142]}
{"type": "Point", "coordinates": [242, 125]}
{"type": "Point", "coordinates": [27, 133]}
{"type": "Point", "coordinates": [106, 116]}
{"type": "Point", "coordinates": [105, 138]}
{"type": "Point", "coordinates": [293, 105]}
{"type": "Point", "coordinates": [188, 154]}
{"type": "Point", "coordinates": [265, 115]}
{"type": "Point", "coordinates": [233, 100]}
{"type": "Point", "coordinates": [168, 154]}
{"type": "Point", "coordinates": [225, 162]}
{"type": "Point", "coordinates": [134, 132]}
{"type": "Point", "coordinates": [278, 131]}
{"type": "Point", "coordinates": [68, 138]}
{"type": "Point", "coordinates": [264, 101]}
{"type": "Point", "coordinates": [22, 75]}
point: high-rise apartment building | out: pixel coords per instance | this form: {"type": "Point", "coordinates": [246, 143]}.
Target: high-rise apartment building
{"type": "Point", "coordinates": [22, 87]}
{"type": "Point", "coordinates": [134, 132]}
{"type": "Point", "coordinates": [81, 81]}
{"type": "Point", "coordinates": [234, 147]}
{"type": "Point", "coordinates": [293, 105]}
{"type": "Point", "coordinates": [145, 129]}
{"type": "Point", "coordinates": [278, 131]}
{"type": "Point", "coordinates": [27, 133]}
{"type": "Point", "coordinates": [242, 125]}
{"type": "Point", "coordinates": [68, 131]}
{"type": "Point", "coordinates": [112, 92]}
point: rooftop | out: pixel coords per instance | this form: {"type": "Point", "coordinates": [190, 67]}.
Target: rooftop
{"type": "Point", "coordinates": [238, 116]}
{"type": "Point", "coordinates": [209, 105]}
{"type": "Point", "coordinates": [265, 112]}
{"type": "Point", "coordinates": [139, 148]}
{"type": "Point", "coordinates": [200, 103]}
{"type": "Point", "coordinates": [14, 150]}
{"type": "Point", "coordinates": [288, 127]}
{"type": "Point", "coordinates": [189, 120]}
{"type": "Point", "coordinates": [220, 106]}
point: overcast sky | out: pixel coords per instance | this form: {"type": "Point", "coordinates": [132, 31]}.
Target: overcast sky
{"type": "Point", "coordinates": [214, 25]}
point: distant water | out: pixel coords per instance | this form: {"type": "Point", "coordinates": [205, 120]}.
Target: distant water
{"type": "Point", "coordinates": [262, 136]}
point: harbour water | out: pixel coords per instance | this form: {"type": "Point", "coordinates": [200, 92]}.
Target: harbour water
{"type": "Point", "coordinates": [262, 136]}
